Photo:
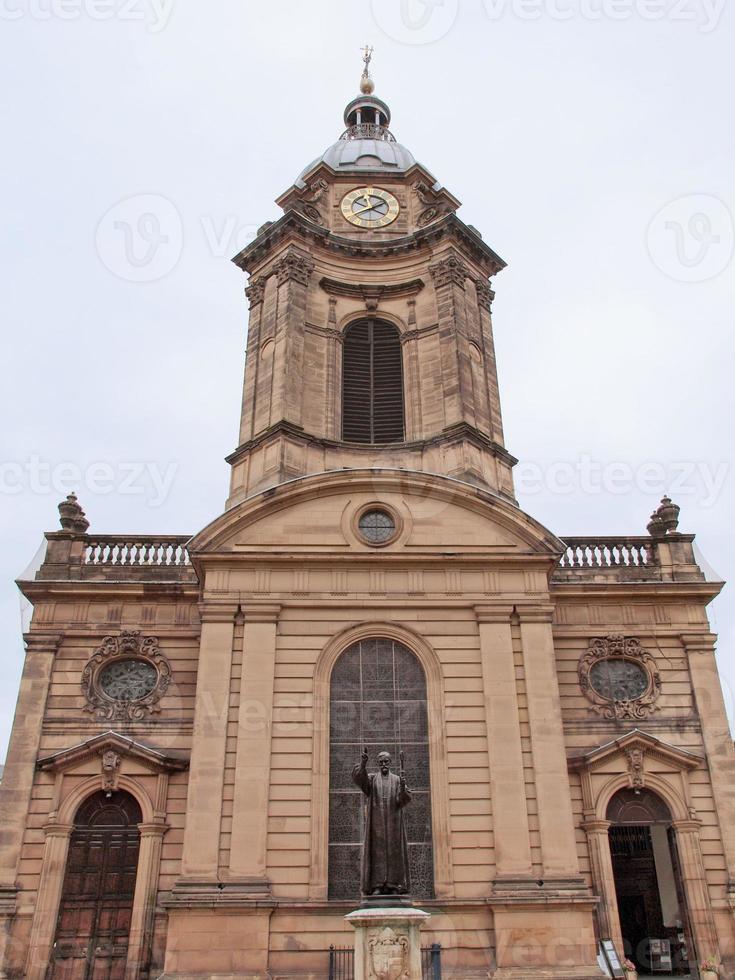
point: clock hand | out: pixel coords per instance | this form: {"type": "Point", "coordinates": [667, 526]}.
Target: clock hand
{"type": "Point", "coordinates": [370, 207]}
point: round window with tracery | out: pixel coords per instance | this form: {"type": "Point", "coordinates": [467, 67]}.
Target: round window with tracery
{"type": "Point", "coordinates": [377, 526]}
{"type": "Point", "coordinates": [128, 680]}
{"type": "Point", "coordinates": [618, 679]}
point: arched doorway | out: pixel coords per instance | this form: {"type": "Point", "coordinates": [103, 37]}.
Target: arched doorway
{"type": "Point", "coordinates": [93, 927]}
{"type": "Point", "coordinates": [377, 700]}
{"type": "Point", "coordinates": [648, 884]}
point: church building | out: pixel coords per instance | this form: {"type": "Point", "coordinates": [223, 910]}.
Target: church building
{"type": "Point", "coordinates": [178, 798]}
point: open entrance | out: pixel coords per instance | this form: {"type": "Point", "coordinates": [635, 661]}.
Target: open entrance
{"type": "Point", "coordinates": [651, 905]}
{"type": "Point", "coordinates": [93, 928]}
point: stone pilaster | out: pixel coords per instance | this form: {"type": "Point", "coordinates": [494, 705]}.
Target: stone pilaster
{"type": "Point", "coordinates": [603, 879]}
{"type": "Point", "coordinates": [450, 275]}
{"type": "Point", "coordinates": [707, 689]}
{"type": "Point", "coordinates": [20, 767]}
{"type": "Point", "coordinates": [699, 907]}
{"type": "Point", "coordinates": [56, 849]}
{"type": "Point", "coordinates": [553, 792]}
{"type": "Point", "coordinates": [200, 858]}
{"type": "Point", "coordinates": [144, 902]}
{"type": "Point", "coordinates": [485, 297]}
{"type": "Point", "coordinates": [255, 293]}
{"type": "Point", "coordinates": [508, 787]}
{"type": "Point", "coordinates": [293, 271]}
{"type": "Point", "coordinates": [252, 772]}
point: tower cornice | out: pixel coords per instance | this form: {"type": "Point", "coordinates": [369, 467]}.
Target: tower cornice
{"type": "Point", "coordinates": [296, 226]}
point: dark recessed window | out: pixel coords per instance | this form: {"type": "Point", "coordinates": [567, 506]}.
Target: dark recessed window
{"type": "Point", "coordinates": [618, 679]}
{"type": "Point", "coordinates": [377, 701]}
{"type": "Point", "coordinates": [128, 680]}
{"type": "Point", "coordinates": [377, 526]}
{"type": "Point", "coordinates": [372, 383]}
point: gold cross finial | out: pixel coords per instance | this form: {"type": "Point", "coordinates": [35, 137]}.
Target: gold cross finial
{"type": "Point", "coordinates": [367, 85]}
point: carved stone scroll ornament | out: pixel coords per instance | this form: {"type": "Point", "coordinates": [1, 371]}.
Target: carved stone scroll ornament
{"type": "Point", "coordinates": [126, 677]}
{"type": "Point", "coordinates": [311, 198]}
{"type": "Point", "coordinates": [388, 955]}
{"type": "Point", "coordinates": [433, 207]}
{"type": "Point", "coordinates": [619, 678]}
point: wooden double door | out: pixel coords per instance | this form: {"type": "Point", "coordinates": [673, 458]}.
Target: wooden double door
{"type": "Point", "coordinates": [93, 927]}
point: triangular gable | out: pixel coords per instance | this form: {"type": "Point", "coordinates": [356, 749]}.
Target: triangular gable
{"type": "Point", "coordinates": [651, 746]}
{"type": "Point", "coordinates": [152, 758]}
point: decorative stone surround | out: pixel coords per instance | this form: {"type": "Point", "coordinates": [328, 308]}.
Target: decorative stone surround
{"type": "Point", "coordinates": [129, 645]}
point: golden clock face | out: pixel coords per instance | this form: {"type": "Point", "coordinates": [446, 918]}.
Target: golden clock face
{"type": "Point", "coordinates": [370, 207]}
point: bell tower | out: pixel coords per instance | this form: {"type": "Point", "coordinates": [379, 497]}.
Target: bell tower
{"type": "Point", "coordinates": [370, 341]}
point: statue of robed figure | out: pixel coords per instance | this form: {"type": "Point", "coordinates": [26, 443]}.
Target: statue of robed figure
{"type": "Point", "coordinates": [385, 850]}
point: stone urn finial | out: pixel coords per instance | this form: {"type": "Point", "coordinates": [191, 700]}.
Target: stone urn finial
{"type": "Point", "coordinates": [71, 515]}
{"type": "Point", "coordinates": [669, 514]}
{"type": "Point", "coordinates": [665, 519]}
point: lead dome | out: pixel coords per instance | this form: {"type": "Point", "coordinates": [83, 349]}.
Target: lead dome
{"type": "Point", "coordinates": [366, 144]}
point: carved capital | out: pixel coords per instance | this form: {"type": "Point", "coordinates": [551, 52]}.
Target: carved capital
{"type": "Point", "coordinates": [494, 614]}
{"type": "Point", "coordinates": [295, 266]}
{"type": "Point", "coordinates": [220, 612]}
{"type": "Point", "coordinates": [593, 826]}
{"type": "Point", "coordinates": [485, 293]}
{"type": "Point", "coordinates": [448, 271]}
{"type": "Point", "coordinates": [55, 829]}
{"type": "Point", "coordinates": [535, 613]}
{"type": "Point", "coordinates": [255, 290]}
{"type": "Point", "coordinates": [41, 642]}
{"type": "Point", "coordinates": [261, 613]}
{"type": "Point", "coordinates": [153, 829]}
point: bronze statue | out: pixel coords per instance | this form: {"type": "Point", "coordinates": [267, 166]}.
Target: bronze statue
{"type": "Point", "coordinates": [385, 850]}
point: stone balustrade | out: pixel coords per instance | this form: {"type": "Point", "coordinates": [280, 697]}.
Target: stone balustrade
{"type": "Point", "coordinates": [138, 551]}
{"type": "Point", "coordinates": [143, 558]}
{"type": "Point", "coordinates": [623, 559]}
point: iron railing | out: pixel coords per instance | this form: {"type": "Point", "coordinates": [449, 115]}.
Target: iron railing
{"type": "Point", "coordinates": [342, 962]}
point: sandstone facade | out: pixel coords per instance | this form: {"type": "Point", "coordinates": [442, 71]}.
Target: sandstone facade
{"type": "Point", "coordinates": [228, 756]}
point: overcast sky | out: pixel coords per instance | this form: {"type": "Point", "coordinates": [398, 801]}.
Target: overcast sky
{"type": "Point", "coordinates": [591, 142]}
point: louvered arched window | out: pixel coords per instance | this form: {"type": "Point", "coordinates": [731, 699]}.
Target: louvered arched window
{"type": "Point", "coordinates": [372, 383]}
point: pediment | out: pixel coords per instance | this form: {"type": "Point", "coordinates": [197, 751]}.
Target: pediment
{"type": "Point", "coordinates": [636, 741]}
{"type": "Point", "coordinates": [436, 514]}
{"type": "Point", "coordinates": [77, 756]}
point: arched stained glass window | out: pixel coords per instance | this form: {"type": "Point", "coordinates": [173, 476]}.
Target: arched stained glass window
{"type": "Point", "coordinates": [372, 383]}
{"type": "Point", "coordinates": [377, 700]}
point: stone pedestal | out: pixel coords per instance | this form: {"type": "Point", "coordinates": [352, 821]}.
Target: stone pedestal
{"type": "Point", "coordinates": [388, 942]}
